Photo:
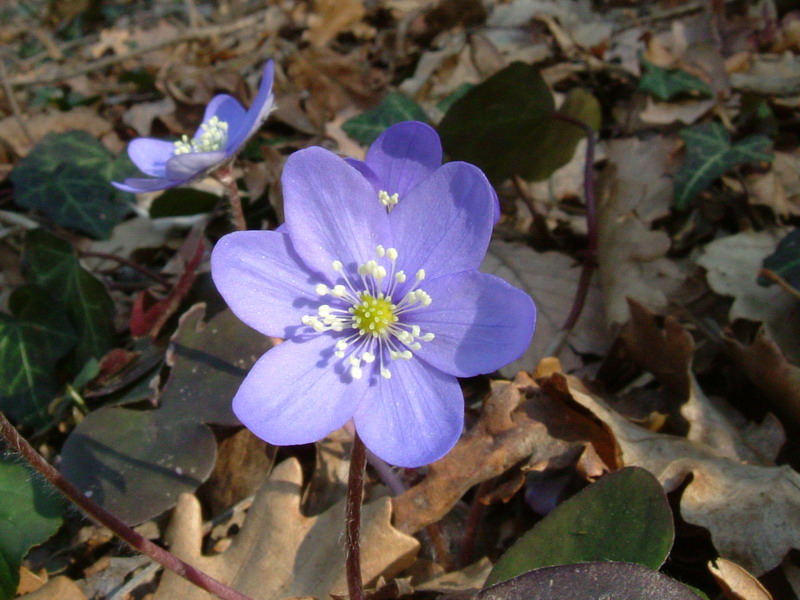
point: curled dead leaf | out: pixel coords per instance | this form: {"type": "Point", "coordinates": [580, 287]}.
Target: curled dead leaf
{"type": "Point", "coordinates": [279, 552]}
{"type": "Point", "coordinates": [750, 510]}
{"type": "Point", "coordinates": [519, 422]}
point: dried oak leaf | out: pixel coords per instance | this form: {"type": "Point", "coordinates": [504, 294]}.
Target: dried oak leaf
{"type": "Point", "coordinates": [737, 583]}
{"type": "Point", "coordinates": [551, 278]}
{"type": "Point", "coordinates": [767, 368]}
{"type": "Point", "coordinates": [518, 423]}
{"type": "Point", "coordinates": [668, 354]}
{"type": "Point", "coordinates": [732, 264]}
{"type": "Point", "coordinates": [631, 256]}
{"type": "Point", "coordinates": [750, 510]}
{"type": "Point", "coordinates": [281, 553]}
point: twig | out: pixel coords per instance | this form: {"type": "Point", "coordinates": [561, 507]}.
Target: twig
{"type": "Point", "coordinates": [7, 88]}
{"type": "Point", "coordinates": [200, 33]}
{"type": "Point", "coordinates": [128, 263]}
{"type": "Point", "coordinates": [590, 258]}
{"type": "Point", "coordinates": [355, 496]}
{"type": "Point", "coordinates": [225, 176]}
{"type": "Point", "coordinates": [785, 285]}
{"type": "Point", "coordinates": [138, 542]}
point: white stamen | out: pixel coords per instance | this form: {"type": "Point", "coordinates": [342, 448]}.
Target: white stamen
{"type": "Point", "coordinates": [371, 325]}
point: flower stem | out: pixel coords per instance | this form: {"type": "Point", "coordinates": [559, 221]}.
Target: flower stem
{"type": "Point", "coordinates": [139, 543]}
{"type": "Point", "coordinates": [355, 496]}
{"type": "Point", "coordinates": [590, 257]}
{"type": "Point", "coordinates": [225, 175]}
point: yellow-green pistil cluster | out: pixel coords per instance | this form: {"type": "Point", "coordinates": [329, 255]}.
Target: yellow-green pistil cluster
{"type": "Point", "coordinates": [214, 136]}
{"type": "Point", "coordinates": [373, 326]}
{"type": "Point", "coordinates": [373, 315]}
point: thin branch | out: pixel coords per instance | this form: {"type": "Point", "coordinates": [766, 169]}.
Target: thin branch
{"type": "Point", "coordinates": [785, 285]}
{"type": "Point", "coordinates": [355, 496]}
{"type": "Point", "coordinates": [138, 542]}
{"type": "Point", "coordinates": [7, 88]}
{"type": "Point", "coordinates": [200, 33]}
{"type": "Point", "coordinates": [128, 263]}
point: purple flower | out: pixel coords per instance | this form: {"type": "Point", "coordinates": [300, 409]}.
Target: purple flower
{"type": "Point", "coordinates": [382, 306]}
{"type": "Point", "coordinates": [402, 157]}
{"type": "Point", "coordinates": [226, 127]}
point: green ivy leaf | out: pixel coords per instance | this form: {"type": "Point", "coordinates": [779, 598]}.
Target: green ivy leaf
{"type": "Point", "coordinates": [31, 343]}
{"type": "Point", "coordinates": [54, 266]}
{"type": "Point", "coordinates": [505, 125]}
{"type": "Point", "coordinates": [785, 261]}
{"type": "Point", "coordinates": [29, 514]}
{"type": "Point", "coordinates": [393, 109]}
{"type": "Point", "coordinates": [665, 84]}
{"type": "Point", "coordinates": [67, 176]}
{"type": "Point", "coordinates": [622, 517]}
{"type": "Point", "coordinates": [709, 155]}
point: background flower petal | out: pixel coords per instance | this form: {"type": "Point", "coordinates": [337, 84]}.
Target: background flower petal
{"type": "Point", "coordinates": [481, 323]}
{"type": "Point", "coordinates": [140, 185]}
{"type": "Point", "coordinates": [332, 211]}
{"type": "Point", "coordinates": [414, 418]}
{"type": "Point", "coordinates": [225, 108]}
{"type": "Point", "coordinates": [258, 111]}
{"type": "Point", "coordinates": [404, 155]}
{"type": "Point", "coordinates": [264, 281]}
{"type": "Point", "coordinates": [185, 167]}
{"type": "Point", "coordinates": [444, 224]}
{"type": "Point", "coordinates": [296, 394]}
{"type": "Point", "coordinates": [151, 155]}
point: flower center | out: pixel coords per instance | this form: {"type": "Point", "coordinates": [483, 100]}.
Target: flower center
{"type": "Point", "coordinates": [373, 315]}
{"type": "Point", "coordinates": [213, 136]}
{"type": "Point", "coordinates": [366, 321]}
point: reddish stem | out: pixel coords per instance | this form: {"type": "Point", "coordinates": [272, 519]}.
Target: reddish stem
{"type": "Point", "coordinates": [590, 258]}
{"type": "Point", "coordinates": [139, 543]}
{"type": "Point", "coordinates": [355, 496]}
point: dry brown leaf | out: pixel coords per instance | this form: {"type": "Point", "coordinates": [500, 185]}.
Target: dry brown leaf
{"type": "Point", "coordinates": [512, 428]}
{"type": "Point", "coordinates": [668, 354]}
{"type": "Point", "coordinates": [332, 17]}
{"type": "Point", "coordinates": [766, 189]}
{"type": "Point", "coordinates": [59, 588]}
{"type": "Point", "coordinates": [552, 279]}
{"type": "Point", "coordinates": [667, 113]}
{"type": "Point", "coordinates": [328, 483]}
{"type": "Point", "coordinates": [767, 368]}
{"type": "Point", "coordinates": [243, 462]}
{"type": "Point", "coordinates": [750, 510]}
{"type": "Point", "coordinates": [771, 75]}
{"type": "Point", "coordinates": [732, 264]}
{"type": "Point", "coordinates": [736, 582]}
{"type": "Point", "coordinates": [279, 552]}
{"type": "Point", "coordinates": [468, 578]}
{"type": "Point", "coordinates": [631, 257]}
{"type": "Point", "coordinates": [81, 117]}
{"type": "Point", "coordinates": [786, 167]}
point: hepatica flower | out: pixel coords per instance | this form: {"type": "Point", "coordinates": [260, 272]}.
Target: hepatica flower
{"type": "Point", "coordinates": [226, 127]}
{"type": "Point", "coordinates": [381, 302]}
